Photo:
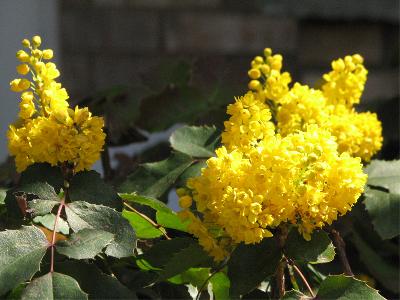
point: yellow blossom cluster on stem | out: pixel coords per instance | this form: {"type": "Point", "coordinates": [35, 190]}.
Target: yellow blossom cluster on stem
{"type": "Point", "coordinates": [299, 165]}
{"type": "Point", "coordinates": [48, 130]}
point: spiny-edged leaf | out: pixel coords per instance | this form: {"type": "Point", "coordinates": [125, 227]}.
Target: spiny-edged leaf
{"type": "Point", "coordinates": [344, 287]}
{"type": "Point", "coordinates": [193, 171]}
{"type": "Point", "coordinates": [295, 295]}
{"type": "Point", "coordinates": [251, 264]}
{"type": "Point", "coordinates": [189, 257]}
{"type": "Point", "coordinates": [154, 179]}
{"type": "Point", "coordinates": [89, 187]}
{"type": "Point", "coordinates": [16, 292]}
{"type": "Point", "coordinates": [94, 282]}
{"type": "Point", "coordinates": [384, 210]}
{"type": "Point", "coordinates": [385, 174]}
{"type": "Point", "coordinates": [53, 286]}
{"type": "Point", "coordinates": [81, 215]}
{"type": "Point", "coordinates": [195, 141]}
{"type": "Point", "coordinates": [21, 252]}
{"type": "Point", "coordinates": [85, 244]}
{"type": "Point", "coordinates": [317, 251]}
{"type": "Point", "coordinates": [143, 200]}
{"type": "Point", "coordinates": [181, 105]}
{"type": "Point", "coordinates": [43, 172]}
{"type": "Point", "coordinates": [160, 254]}
{"type": "Point", "coordinates": [143, 228]}
{"type": "Point", "coordinates": [39, 197]}
{"type": "Point", "coordinates": [385, 272]}
{"type": "Point", "coordinates": [48, 222]}
{"type": "Point", "coordinates": [171, 220]}
{"type": "Point", "coordinates": [220, 286]}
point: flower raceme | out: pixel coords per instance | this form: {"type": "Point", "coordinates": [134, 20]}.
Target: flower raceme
{"type": "Point", "coordinates": [288, 156]}
{"type": "Point", "coordinates": [48, 130]}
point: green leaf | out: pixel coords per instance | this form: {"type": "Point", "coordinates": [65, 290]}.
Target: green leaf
{"type": "Point", "coordinates": [384, 271]}
{"type": "Point", "coordinates": [143, 228]}
{"type": "Point", "coordinates": [85, 244]}
{"type": "Point", "coordinates": [249, 265]}
{"type": "Point", "coordinates": [21, 252]}
{"type": "Point", "coordinates": [154, 179]}
{"type": "Point", "coordinates": [196, 141]}
{"type": "Point", "coordinates": [384, 210]}
{"type": "Point", "coordinates": [97, 284]}
{"type": "Point", "coordinates": [43, 172]}
{"type": "Point", "coordinates": [161, 252]}
{"type": "Point", "coordinates": [316, 251]}
{"type": "Point", "coordinates": [53, 286]}
{"type": "Point", "coordinates": [344, 287]}
{"type": "Point", "coordinates": [143, 200]}
{"type": "Point", "coordinates": [193, 171]}
{"type": "Point", "coordinates": [3, 194]}
{"type": "Point", "coordinates": [81, 215]}
{"type": "Point", "coordinates": [181, 105]}
{"type": "Point", "coordinates": [295, 295]}
{"type": "Point", "coordinates": [89, 187]}
{"type": "Point", "coordinates": [39, 197]}
{"type": "Point", "coordinates": [385, 174]}
{"type": "Point", "coordinates": [220, 286]}
{"type": "Point", "coordinates": [189, 257]}
{"type": "Point", "coordinates": [171, 220]}
{"type": "Point", "coordinates": [195, 276]}
{"type": "Point", "coordinates": [48, 222]}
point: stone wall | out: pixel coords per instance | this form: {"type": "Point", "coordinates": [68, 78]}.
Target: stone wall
{"type": "Point", "coordinates": [107, 42]}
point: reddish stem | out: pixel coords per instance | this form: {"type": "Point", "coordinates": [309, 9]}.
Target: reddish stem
{"type": "Point", "coordinates": [53, 239]}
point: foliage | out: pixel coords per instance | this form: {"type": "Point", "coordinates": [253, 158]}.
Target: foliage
{"type": "Point", "coordinates": [71, 235]}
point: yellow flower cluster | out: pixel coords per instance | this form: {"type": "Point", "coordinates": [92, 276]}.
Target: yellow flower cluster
{"type": "Point", "coordinates": [305, 170]}
{"type": "Point", "coordinates": [259, 180]}
{"type": "Point", "coordinates": [359, 134]}
{"type": "Point", "coordinates": [48, 130]}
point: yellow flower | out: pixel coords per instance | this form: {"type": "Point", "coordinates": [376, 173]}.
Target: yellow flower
{"type": "Point", "coordinates": [52, 133]}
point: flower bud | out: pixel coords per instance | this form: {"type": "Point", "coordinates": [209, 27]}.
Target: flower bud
{"type": "Point", "coordinates": [36, 41]}
{"type": "Point", "coordinates": [23, 69]}
{"type": "Point", "coordinates": [22, 56]}
{"type": "Point", "coordinates": [47, 54]}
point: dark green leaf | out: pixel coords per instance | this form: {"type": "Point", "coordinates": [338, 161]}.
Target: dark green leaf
{"type": "Point", "coordinates": [48, 222]}
{"type": "Point", "coordinates": [171, 220]}
{"type": "Point", "coordinates": [384, 210]}
{"type": "Point", "coordinates": [189, 257]}
{"type": "Point", "coordinates": [97, 284]}
{"type": "Point", "coordinates": [89, 187]}
{"type": "Point", "coordinates": [85, 244]}
{"type": "Point", "coordinates": [53, 286]}
{"type": "Point", "coordinates": [196, 141]}
{"type": "Point", "coordinates": [295, 295]}
{"type": "Point", "coordinates": [384, 271]}
{"type": "Point", "coordinates": [161, 252]}
{"type": "Point", "coordinates": [249, 265]}
{"type": "Point", "coordinates": [143, 200]}
{"type": "Point", "coordinates": [143, 228]}
{"type": "Point", "coordinates": [181, 105]}
{"type": "Point", "coordinates": [21, 252]}
{"type": "Point", "coordinates": [193, 171]}
{"type": "Point", "coordinates": [384, 174]}
{"type": "Point", "coordinates": [154, 179]}
{"type": "Point", "coordinates": [81, 215]}
{"type": "Point", "coordinates": [39, 197]}
{"type": "Point", "coordinates": [316, 251]}
{"type": "Point", "coordinates": [220, 286]}
{"type": "Point", "coordinates": [43, 172]}
{"type": "Point", "coordinates": [344, 287]}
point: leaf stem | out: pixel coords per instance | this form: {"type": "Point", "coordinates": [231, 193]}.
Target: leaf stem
{"type": "Point", "coordinates": [340, 245]}
{"type": "Point", "coordinates": [53, 239]}
{"type": "Point", "coordinates": [298, 271]}
{"type": "Point", "coordinates": [157, 226]}
{"type": "Point", "coordinates": [219, 268]}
